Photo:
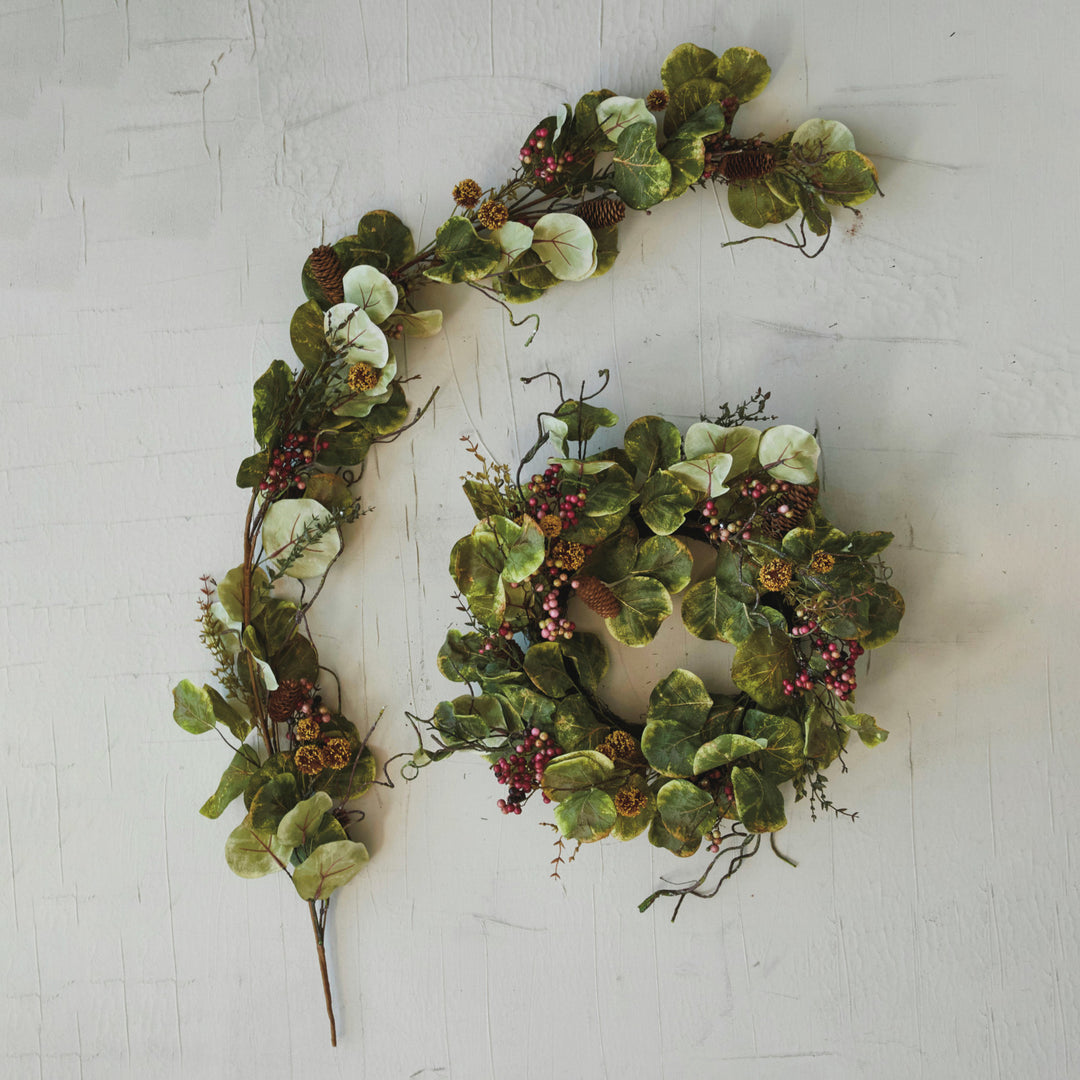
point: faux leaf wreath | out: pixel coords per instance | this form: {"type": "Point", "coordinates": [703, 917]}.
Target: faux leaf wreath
{"type": "Point", "coordinates": [799, 600]}
{"type": "Point", "coordinates": [296, 760]}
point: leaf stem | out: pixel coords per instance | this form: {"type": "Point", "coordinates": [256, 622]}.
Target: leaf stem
{"type": "Point", "coordinates": [318, 926]}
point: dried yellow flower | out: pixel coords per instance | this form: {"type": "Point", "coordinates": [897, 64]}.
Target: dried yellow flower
{"type": "Point", "coordinates": [336, 753]}
{"type": "Point", "coordinates": [309, 759]}
{"type": "Point", "coordinates": [775, 575]}
{"type": "Point", "coordinates": [630, 801]}
{"type": "Point", "coordinates": [822, 562]}
{"type": "Point", "coordinates": [362, 378]}
{"type": "Point", "coordinates": [493, 215]}
{"type": "Point", "coordinates": [306, 730]}
{"type": "Point", "coordinates": [551, 525]}
{"type": "Point", "coordinates": [467, 193]}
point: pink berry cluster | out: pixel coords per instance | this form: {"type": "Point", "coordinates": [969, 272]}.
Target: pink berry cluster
{"type": "Point", "coordinates": [754, 488]}
{"type": "Point", "coordinates": [536, 154]}
{"type": "Point", "coordinates": [840, 672]}
{"type": "Point", "coordinates": [555, 624]}
{"type": "Point", "coordinates": [523, 770]}
{"type": "Point", "coordinates": [724, 531]}
{"type": "Point", "coordinates": [295, 453]}
{"type": "Point", "coordinates": [545, 498]}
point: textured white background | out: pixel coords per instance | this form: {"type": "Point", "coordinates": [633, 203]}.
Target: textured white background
{"type": "Point", "coordinates": [166, 168]}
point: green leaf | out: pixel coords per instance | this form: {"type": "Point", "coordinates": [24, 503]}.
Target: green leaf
{"type": "Point", "coordinates": [583, 420]}
{"type": "Point", "coordinates": [586, 815]}
{"type": "Point", "coordinates": [665, 502]}
{"type": "Point", "coordinates": [230, 592]}
{"type": "Point", "coordinates": [708, 120]}
{"type": "Point", "coordinates": [419, 324]}
{"type": "Point", "coordinates": [234, 780]}
{"type": "Point", "coordinates": [741, 443]}
{"type": "Point", "coordinates": [686, 62]}
{"type": "Point", "coordinates": [589, 657]}
{"type": "Point", "coordinates": [484, 499]}
{"type": "Point", "coordinates": [586, 123]}
{"type": "Point", "coordinates": [723, 750]}
{"type": "Point", "coordinates": [866, 544]}
{"type": "Point", "coordinates": [352, 781]}
{"type": "Point", "coordinates": [565, 246]}
{"type": "Point", "coordinates": [607, 248]}
{"type": "Point", "coordinates": [253, 469]}
{"type": "Point", "coordinates": [758, 800]}
{"type": "Point", "coordinates": [254, 853]}
{"type": "Point", "coordinates": [578, 771]}
{"type": "Point", "coordinates": [865, 726]}
{"type": "Point", "coordinates": [847, 178]}
{"type": "Point", "coordinates": [544, 665]}
{"type": "Point", "coordinates": [347, 448]}
{"type": "Point", "coordinates": [224, 713]}
{"type": "Point", "coordinates": [645, 605]}
{"type": "Point", "coordinates": [522, 546]}
{"type": "Point", "coordinates": [782, 757]}
{"type": "Point", "coordinates": [273, 801]}
{"type": "Point", "coordinates": [818, 215]}
{"type": "Point", "coordinates": [390, 415]}
{"type": "Point", "coordinates": [476, 565]}
{"type": "Point", "coordinates": [613, 495]}
{"type": "Point", "coordinates": [529, 271]}
{"type": "Point", "coordinates": [465, 256]}
{"type": "Point", "coordinates": [687, 810]}
{"type": "Point", "coordinates": [370, 290]}
{"type": "Point", "coordinates": [576, 725]}
{"type": "Point", "coordinates": [886, 611]}
{"type": "Point", "coordinates": [642, 175]}
{"type": "Point", "coordinates": [296, 659]}
{"type": "Point", "coordinates": [329, 867]}
{"type": "Point", "coordinates": [661, 837]}
{"type": "Point", "coordinates": [330, 490]}
{"type": "Point", "coordinates": [192, 708]}
{"type": "Point", "coordinates": [744, 71]}
{"type": "Point", "coordinates": [762, 662]}
{"type": "Point", "coordinates": [788, 453]}
{"type": "Point", "coordinates": [380, 230]}
{"type": "Point", "coordinates": [706, 607]}
{"type": "Point", "coordinates": [705, 474]}
{"type": "Point", "coordinates": [690, 99]}
{"type": "Point", "coordinates": [815, 139]}
{"type": "Point", "coordinates": [755, 204]}
{"type": "Point", "coordinates": [667, 559]}
{"type": "Point", "coordinates": [686, 153]}
{"type": "Point", "coordinates": [304, 819]}
{"type": "Point", "coordinates": [614, 557]}
{"type": "Point", "coordinates": [615, 114]}
{"type": "Point", "coordinates": [286, 522]}
{"type": "Point", "coordinates": [272, 390]}
{"type": "Point", "coordinates": [675, 724]}
{"type": "Point", "coordinates": [308, 336]}
{"type": "Point", "coordinates": [651, 444]}
{"type": "Point", "coordinates": [457, 658]}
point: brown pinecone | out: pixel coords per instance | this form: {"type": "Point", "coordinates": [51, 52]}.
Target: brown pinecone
{"type": "Point", "coordinates": [596, 596]}
{"type": "Point", "coordinates": [746, 165]}
{"type": "Point", "coordinates": [601, 212]}
{"type": "Point", "coordinates": [799, 498]}
{"type": "Point", "coordinates": [282, 702]}
{"type": "Point", "coordinates": [326, 270]}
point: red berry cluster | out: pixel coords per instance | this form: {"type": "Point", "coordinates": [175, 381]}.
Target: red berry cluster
{"type": "Point", "coordinates": [840, 672]}
{"type": "Point", "coordinates": [754, 488]}
{"type": "Point", "coordinates": [545, 497]}
{"type": "Point", "coordinates": [296, 452]}
{"type": "Point", "coordinates": [840, 659]}
{"type": "Point", "coordinates": [496, 639]}
{"type": "Point", "coordinates": [523, 770]}
{"type": "Point", "coordinates": [545, 165]}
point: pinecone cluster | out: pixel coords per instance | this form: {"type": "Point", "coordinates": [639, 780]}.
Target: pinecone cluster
{"type": "Point", "coordinates": [602, 212]}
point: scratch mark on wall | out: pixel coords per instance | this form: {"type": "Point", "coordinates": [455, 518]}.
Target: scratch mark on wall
{"type": "Point", "coordinates": [172, 924]}
{"type": "Point", "coordinates": [251, 23]}
{"type": "Point", "coordinates": [11, 860]}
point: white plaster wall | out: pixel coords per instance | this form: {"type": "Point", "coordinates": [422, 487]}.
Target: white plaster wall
{"type": "Point", "coordinates": [165, 169]}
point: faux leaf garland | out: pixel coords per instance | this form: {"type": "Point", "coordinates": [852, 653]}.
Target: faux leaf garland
{"type": "Point", "coordinates": [296, 760]}
{"type": "Point", "coordinates": [799, 599]}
